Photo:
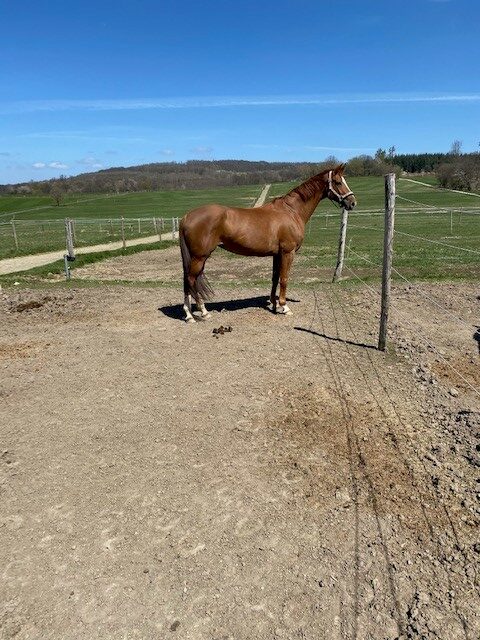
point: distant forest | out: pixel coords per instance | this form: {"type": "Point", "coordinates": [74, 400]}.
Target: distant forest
{"type": "Point", "coordinates": [454, 170]}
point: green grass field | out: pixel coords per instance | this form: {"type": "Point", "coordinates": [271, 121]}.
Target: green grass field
{"type": "Point", "coordinates": [458, 255]}
{"type": "Point", "coordinates": [39, 224]}
{"type": "Point", "coordinates": [162, 204]}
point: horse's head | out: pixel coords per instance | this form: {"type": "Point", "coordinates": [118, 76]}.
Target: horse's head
{"type": "Point", "coordinates": [338, 189]}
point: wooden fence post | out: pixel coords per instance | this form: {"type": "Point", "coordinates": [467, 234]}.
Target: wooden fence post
{"type": "Point", "coordinates": [341, 245]}
{"type": "Point", "coordinates": [387, 257]}
{"type": "Point", "coordinates": [69, 239]}
{"type": "Point", "coordinates": [123, 233]}
{"type": "Point", "coordinates": [158, 228]}
{"type": "Point", "coordinates": [14, 233]}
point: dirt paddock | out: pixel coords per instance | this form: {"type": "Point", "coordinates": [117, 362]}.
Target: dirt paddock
{"type": "Point", "coordinates": [283, 480]}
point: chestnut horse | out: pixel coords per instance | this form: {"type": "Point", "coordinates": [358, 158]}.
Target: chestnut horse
{"type": "Point", "coordinates": [274, 229]}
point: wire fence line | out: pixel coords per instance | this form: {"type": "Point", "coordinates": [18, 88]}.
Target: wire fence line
{"type": "Point", "coordinates": [23, 237]}
{"type": "Point", "coordinates": [416, 289]}
{"type": "Point", "coordinates": [412, 235]}
{"type": "Point", "coordinates": [432, 206]}
{"type": "Point", "coordinates": [377, 294]}
{"type": "Point", "coordinates": [405, 319]}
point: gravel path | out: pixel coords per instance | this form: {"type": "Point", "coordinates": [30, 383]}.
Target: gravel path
{"type": "Point", "coordinates": [12, 265]}
{"type": "Point", "coordinates": [263, 196]}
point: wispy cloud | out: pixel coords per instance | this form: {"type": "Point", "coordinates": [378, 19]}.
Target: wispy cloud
{"type": "Point", "coordinates": [228, 101]}
{"type": "Point", "coordinates": [80, 135]}
{"type": "Point", "coordinates": [91, 162]}
{"type": "Point", "coordinates": [167, 152]}
{"type": "Point", "coordinates": [202, 150]}
{"type": "Point", "coordinates": [307, 148]}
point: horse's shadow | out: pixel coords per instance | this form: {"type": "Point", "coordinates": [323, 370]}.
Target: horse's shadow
{"type": "Point", "coordinates": [476, 337]}
{"type": "Point", "coordinates": [176, 312]}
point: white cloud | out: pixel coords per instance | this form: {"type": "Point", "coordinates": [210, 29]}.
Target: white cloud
{"type": "Point", "coordinates": [231, 101]}
{"type": "Point", "coordinates": [167, 152]}
{"type": "Point", "coordinates": [49, 165]}
{"type": "Point", "coordinates": [57, 165]}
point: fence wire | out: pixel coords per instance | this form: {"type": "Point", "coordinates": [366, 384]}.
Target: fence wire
{"type": "Point", "coordinates": [23, 237]}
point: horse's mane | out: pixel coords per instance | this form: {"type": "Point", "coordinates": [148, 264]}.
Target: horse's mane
{"type": "Point", "coordinates": [309, 188]}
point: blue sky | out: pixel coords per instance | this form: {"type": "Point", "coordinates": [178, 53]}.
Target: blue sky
{"type": "Point", "coordinates": [90, 85]}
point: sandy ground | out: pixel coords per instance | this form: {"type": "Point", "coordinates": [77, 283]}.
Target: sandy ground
{"type": "Point", "coordinates": [284, 480]}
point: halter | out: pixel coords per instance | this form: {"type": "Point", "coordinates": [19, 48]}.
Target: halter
{"type": "Point", "coordinates": [331, 188]}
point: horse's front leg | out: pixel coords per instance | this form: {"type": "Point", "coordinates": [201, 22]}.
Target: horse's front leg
{"type": "Point", "coordinates": [285, 264]}
{"type": "Point", "coordinates": [275, 277]}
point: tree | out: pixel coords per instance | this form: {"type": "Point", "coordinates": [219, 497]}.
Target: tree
{"type": "Point", "coordinates": [58, 194]}
{"type": "Point", "coordinates": [391, 152]}
{"type": "Point", "coordinates": [456, 148]}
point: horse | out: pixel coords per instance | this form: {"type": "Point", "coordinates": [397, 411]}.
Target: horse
{"type": "Point", "coordinates": [274, 229]}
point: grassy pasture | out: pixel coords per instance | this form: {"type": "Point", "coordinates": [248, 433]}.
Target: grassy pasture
{"type": "Point", "coordinates": [162, 204]}
{"type": "Point", "coordinates": [39, 224]}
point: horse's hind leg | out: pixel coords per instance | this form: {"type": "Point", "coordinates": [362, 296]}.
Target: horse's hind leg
{"type": "Point", "coordinates": [187, 307]}
{"type": "Point", "coordinates": [204, 313]}
{"type": "Point", "coordinates": [275, 277]}
{"type": "Point", "coordinates": [285, 264]}
{"type": "Point", "coordinates": [196, 269]}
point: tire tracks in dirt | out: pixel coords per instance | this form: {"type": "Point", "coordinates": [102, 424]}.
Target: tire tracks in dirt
{"type": "Point", "coordinates": [429, 498]}
{"type": "Point", "coordinates": [358, 476]}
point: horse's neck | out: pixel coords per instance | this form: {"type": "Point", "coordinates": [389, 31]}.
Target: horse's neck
{"type": "Point", "coordinates": [306, 209]}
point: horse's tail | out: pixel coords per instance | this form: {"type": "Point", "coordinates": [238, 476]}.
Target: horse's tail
{"type": "Point", "coordinates": [201, 287]}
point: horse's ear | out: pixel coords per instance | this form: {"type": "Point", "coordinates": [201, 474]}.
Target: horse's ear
{"type": "Point", "coordinates": [340, 168]}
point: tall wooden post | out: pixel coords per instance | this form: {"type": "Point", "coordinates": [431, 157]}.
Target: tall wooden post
{"type": "Point", "coordinates": [158, 228]}
{"type": "Point", "coordinates": [341, 245]}
{"type": "Point", "coordinates": [123, 233]}
{"type": "Point", "coordinates": [14, 233]}
{"type": "Point", "coordinates": [387, 257]}
{"type": "Point", "coordinates": [69, 239]}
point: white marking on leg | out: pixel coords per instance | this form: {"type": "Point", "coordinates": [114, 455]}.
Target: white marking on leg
{"type": "Point", "coordinates": [187, 307]}
{"type": "Point", "coordinates": [285, 310]}
{"type": "Point", "coordinates": [203, 310]}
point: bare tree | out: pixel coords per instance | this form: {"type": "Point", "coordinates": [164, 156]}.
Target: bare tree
{"type": "Point", "coordinates": [58, 194]}
{"type": "Point", "coordinates": [456, 148]}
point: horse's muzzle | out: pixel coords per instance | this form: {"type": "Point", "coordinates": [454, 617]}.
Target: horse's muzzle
{"type": "Point", "coordinates": [349, 203]}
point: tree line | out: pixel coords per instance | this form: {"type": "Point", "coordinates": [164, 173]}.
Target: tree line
{"type": "Point", "coordinates": [454, 170]}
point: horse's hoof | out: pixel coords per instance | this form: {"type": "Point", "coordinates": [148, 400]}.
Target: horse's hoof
{"type": "Point", "coordinates": [206, 316]}
{"type": "Point", "coordinates": [190, 320]}
{"type": "Point", "coordinates": [285, 311]}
